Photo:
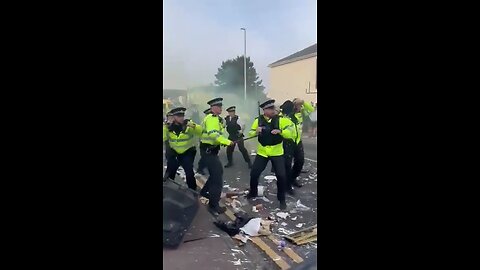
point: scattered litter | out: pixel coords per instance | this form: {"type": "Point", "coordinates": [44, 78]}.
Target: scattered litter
{"type": "Point", "coordinates": [241, 237]}
{"type": "Point", "coordinates": [204, 200]}
{"type": "Point", "coordinates": [284, 231]}
{"type": "Point", "coordinates": [236, 262]}
{"type": "Point", "coordinates": [254, 209]}
{"type": "Point", "coordinates": [282, 244]}
{"type": "Point", "coordinates": [259, 206]}
{"type": "Point", "coordinates": [236, 204]}
{"type": "Point", "coordinates": [238, 251]}
{"type": "Point", "coordinates": [282, 215]}
{"type": "Point", "coordinates": [293, 211]}
{"type": "Point", "coordinates": [260, 191]}
{"type": "Point", "coordinates": [270, 178]}
{"type": "Point", "coordinates": [214, 235]}
{"type": "Point", "coordinates": [284, 224]}
{"type": "Point", "coordinates": [226, 186]}
{"type": "Point", "coordinates": [311, 177]}
{"type": "Point", "coordinates": [252, 227]}
{"type": "Point", "coordinates": [301, 207]}
{"type": "Point", "coordinates": [265, 199]}
{"type": "Point", "coordinates": [294, 218]}
{"type": "Point", "coordinates": [299, 225]}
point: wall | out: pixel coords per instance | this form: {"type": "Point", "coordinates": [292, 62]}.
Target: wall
{"type": "Point", "coordinates": [290, 81]}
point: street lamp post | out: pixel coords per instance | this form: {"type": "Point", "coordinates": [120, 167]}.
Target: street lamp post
{"type": "Point", "coordinates": [245, 63]}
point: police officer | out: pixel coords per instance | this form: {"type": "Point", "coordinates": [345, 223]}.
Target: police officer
{"type": "Point", "coordinates": [201, 162]}
{"type": "Point", "coordinates": [301, 109]}
{"type": "Point", "coordinates": [235, 128]}
{"type": "Point", "coordinates": [272, 129]}
{"type": "Point", "coordinates": [181, 138]}
{"type": "Point", "coordinates": [211, 139]}
{"type": "Point", "coordinates": [289, 144]}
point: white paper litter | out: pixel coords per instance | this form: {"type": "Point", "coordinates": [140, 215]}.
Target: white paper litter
{"type": "Point", "coordinates": [260, 191]}
{"type": "Point", "coordinates": [270, 178]}
{"type": "Point", "coordinates": [254, 209]}
{"type": "Point", "coordinates": [283, 215]}
{"type": "Point", "coordinates": [226, 186]}
{"type": "Point", "coordinates": [265, 199]}
{"type": "Point", "coordinates": [236, 262]}
{"type": "Point", "coordinates": [284, 224]}
{"type": "Point", "coordinates": [284, 231]}
{"type": "Point", "coordinates": [294, 218]}
{"type": "Point", "coordinates": [299, 225]}
{"type": "Point", "coordinates": [301, 207]}
{"type": "Point", "coordinates": [252, 227]}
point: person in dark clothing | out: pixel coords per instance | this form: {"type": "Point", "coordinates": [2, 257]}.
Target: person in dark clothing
{"type": "Point", "coordinates": [235, 128]}
{"type": "Point", "coordinates": [289, 145]}
{"type": "Point", "coordinates": [201, 163]}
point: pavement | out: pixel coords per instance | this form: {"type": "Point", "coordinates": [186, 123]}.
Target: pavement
{"type": "Point", "coordinates": [211, 248]}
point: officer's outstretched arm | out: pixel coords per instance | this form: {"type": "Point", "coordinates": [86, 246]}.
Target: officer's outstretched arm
{"type": "Point", "coordinates": [253, 129]}
{"type": "Point", "coordinates": [165, 132]}
{"type": "Point", "coordinates": [197, 130]}
{"type": "Point", "coordinates": [307, 108]}
{"type": "Point", "coordinates": [287, 127]}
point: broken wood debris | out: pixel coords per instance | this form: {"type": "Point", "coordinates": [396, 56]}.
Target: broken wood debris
{"type": "Point", "coordinates": [304, 236]}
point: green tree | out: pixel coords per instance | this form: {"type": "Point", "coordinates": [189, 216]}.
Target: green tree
{"type": "Point", "coordinates": [230, 77]}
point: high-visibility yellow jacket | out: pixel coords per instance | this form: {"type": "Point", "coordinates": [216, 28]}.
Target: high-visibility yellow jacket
{"type": "Point", "coordinates": [184, 140]}
{"type": "Point", "coordinates": [213, 131]}
{"type": "Point", "coordinates": [287, 130]}
{"type": "Point", "coordinates": [306, 109]}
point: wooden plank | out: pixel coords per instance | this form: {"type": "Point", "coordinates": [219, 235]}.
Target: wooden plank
{"type": "Point", "coordinates": [274, 256]}
{"type": "Point", "coordinates": [306, 235]}
{"type": "Point", "coordinates": [308, 240]}
{"type": "Point", "coordinates": [294, 256]}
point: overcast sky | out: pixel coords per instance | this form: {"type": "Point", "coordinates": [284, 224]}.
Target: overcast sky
{"type": "Point", "coordinates": [199, 34]}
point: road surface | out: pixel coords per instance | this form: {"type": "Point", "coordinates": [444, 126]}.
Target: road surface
{"type": "Point", "coordinates": [219, 251]}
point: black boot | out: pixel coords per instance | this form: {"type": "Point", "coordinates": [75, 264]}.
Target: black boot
{"type": "Point", "coordinates": [283, 205]}
{"type": "Point", "coordinates": [252, 195]}
{"type": "Point", "coordinates": [297, 184]}
{"type": "Point", "coordinates": [216, 210]}
{"type": "Point", "coordinates": [291, 192]}
{"type": "Point", "coordinates": [205, 194]}
{"type": "Point", "coordinates": [229, 164]}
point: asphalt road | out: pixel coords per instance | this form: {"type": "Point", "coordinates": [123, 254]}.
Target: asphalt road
{"type": "Point", "coordinates": [219, 254]}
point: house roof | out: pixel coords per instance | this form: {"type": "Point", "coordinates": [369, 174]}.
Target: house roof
{"type": "Point", "coordinates": [303, 54]}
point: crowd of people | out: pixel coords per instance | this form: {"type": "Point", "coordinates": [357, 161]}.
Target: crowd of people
{"type": "Point", "coordinates": [278, 132]}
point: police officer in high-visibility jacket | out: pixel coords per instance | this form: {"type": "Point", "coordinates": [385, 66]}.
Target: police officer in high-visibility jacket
{"type": "Point", "coordinates": [201, 162]}
{"type": "Point", "coordinates": [272, 129]}
{"type": "Point", "coordinates": [301, 109]}
{"type": "Point", "coordinates": [181, 138]}
{"type": "Point", "coordinates": [211, 139]}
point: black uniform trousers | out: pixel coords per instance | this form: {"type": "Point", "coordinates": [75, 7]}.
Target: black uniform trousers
{"type": "Point", "coordinates": [259, 165]}
{"type": "Point", "coordinates": [298, 160]}
{"type": "Point", "coordinates": [241, 147]}
{"type": "Point", "coordinates": [214, 183]}
{"type": "Point", "coordinates": [201, 162]}
{"type": "Point", "coordinates": [288, 150]}
{"type": "Point", "coordinates": [185, 160]}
